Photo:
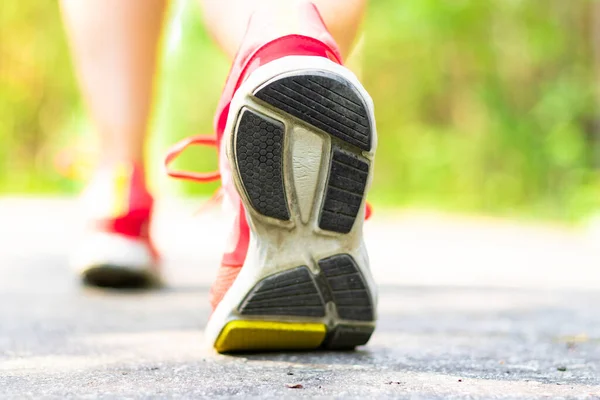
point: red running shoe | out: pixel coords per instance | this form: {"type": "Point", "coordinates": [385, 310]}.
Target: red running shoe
{"type": "Point", "coordinates": [115, 249]}
{"type": "Point", "coordinates": [297, 138]}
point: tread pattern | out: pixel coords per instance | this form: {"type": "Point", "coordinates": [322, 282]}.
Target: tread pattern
{"type": "Point", "coordinates": [290, 292]}
{"type": "Point", "coordinates": [346, 337]}
{"type": "Point", "coordinates": [259, 153]}
{"type": "Point", "coordinates": [334, 106]}
{"type": "Point", "coordinates": [328, 102]}
{"type": "Point", "coordinates": [345, 191]}
{"type": "Point", "coordinates": [348, 288]}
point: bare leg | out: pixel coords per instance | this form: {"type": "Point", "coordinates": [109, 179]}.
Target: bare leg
{"type": "Point", "coordinates": [227, 19]}
{"type": "Point", "coordinates": [114, 44]}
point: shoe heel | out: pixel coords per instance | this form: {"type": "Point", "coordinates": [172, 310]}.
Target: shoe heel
{"type": "Point", "coordinates": [298, 310]}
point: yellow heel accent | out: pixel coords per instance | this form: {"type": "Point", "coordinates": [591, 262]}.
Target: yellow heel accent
{"type": "Point", "coordinates": [268, 335]}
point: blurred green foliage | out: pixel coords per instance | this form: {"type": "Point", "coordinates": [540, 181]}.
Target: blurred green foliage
{"type": "Point", "coordinates": [481, 105]}
{"type": "Point", "coordinates": [37, 95]}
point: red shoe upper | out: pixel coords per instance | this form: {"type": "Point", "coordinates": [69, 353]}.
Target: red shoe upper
{"type": "Point", "coordinates": [117, 201]}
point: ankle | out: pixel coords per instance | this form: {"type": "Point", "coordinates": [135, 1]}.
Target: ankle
{"type": "Point", "coordinates": [275, 19]}
{"type": "Point", "coordinates": [116, 188]}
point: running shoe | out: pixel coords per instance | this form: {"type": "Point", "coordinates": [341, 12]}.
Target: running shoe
{"type": "Point", "coordinates": [115, 250]}
{"type": "Point", "coordinates": [297, 138]}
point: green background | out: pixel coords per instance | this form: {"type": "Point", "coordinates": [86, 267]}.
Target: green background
{"type": "Point", "coordinates": [482, 105]}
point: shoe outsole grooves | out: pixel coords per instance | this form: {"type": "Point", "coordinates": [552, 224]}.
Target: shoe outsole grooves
{"type": "Point", "coordinates": [295, 293]}
{"type": "Point", "coordinates": [117, 277]}
{"type": "Point", "coordinates": [260, 160]}
{"type": "Point", "coordinates": [291, 292]}
{"type": "Point", "coordinates": [345, 191]}
{"type": "Point", "coordinates": [324, 303]}
{"type": "Point", "coordinates": [326, 102]}
{"type": "Point", "coordinates": [348, 288]}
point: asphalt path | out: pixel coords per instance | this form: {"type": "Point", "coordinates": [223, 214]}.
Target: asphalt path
{"type": "Point", "coordinates": [469, 308]}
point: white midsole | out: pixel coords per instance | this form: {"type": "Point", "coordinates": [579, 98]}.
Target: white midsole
{"type": "Point", "coordinates": [277, 246]}
{"type": "Point", "coordinates": [98, 248]}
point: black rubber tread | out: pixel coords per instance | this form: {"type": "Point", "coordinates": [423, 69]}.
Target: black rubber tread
{"type": "Point", "coordinates": [346, 337]}
{"type": "Point", "coordinates": [116, 277]}
{"type": "Point", "coordinates": [324, 289]}
{"type": "Point", "coordinates": [259, 154]}
{"type": "Point", "coordinates": [329, 103]}
{"type": "Point", "coordinates": [345, 191]}
{"type": "Point", "coordinates": [348, 288]}
{"type": "Point", "coordinates": [290, 292]}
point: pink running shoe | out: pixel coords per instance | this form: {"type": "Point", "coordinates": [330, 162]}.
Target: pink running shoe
{"type": "Point", "coordinates": [115, 249]}
{"type": "Point", "coordinates": [296, 136]}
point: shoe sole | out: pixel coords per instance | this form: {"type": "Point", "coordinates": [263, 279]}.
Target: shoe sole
{"type": "Point", "coordinates": [301, 143]}
{"type": "Point", "coordinates": [118, 277]}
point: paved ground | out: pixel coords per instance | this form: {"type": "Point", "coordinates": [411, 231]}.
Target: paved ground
{"type": "Point", "coordinates": [469, 308]}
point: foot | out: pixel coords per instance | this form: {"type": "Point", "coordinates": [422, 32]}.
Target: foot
{"type": "Point", "coordinates": [299, 143]}
{"type": "Point", "coordinates": [115, 249]}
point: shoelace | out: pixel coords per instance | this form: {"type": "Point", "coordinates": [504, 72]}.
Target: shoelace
{"type": "Point", "coordinates": [179, 147]}
{"type": "Point", "coordinates": [211, 141]}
